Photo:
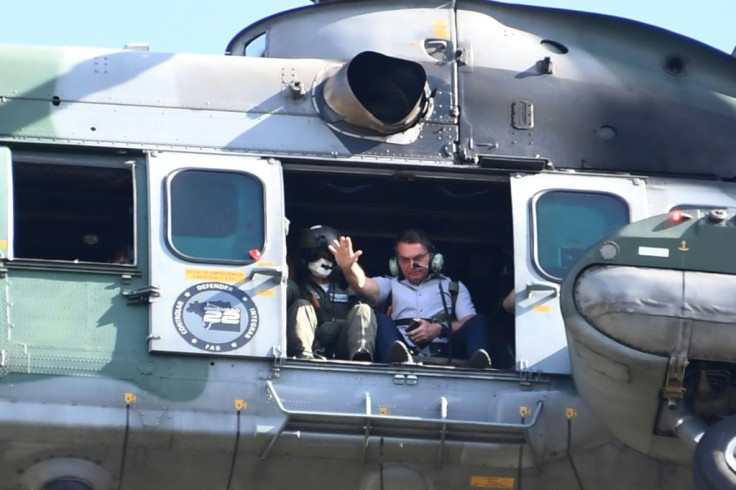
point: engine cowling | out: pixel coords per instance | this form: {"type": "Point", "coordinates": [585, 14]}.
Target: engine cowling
{"type": "Point", "coordinates": [642, 305]}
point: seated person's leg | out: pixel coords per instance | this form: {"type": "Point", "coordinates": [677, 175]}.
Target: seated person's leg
{"type": "Point", "coordinates": [327, 339]}
{"type": "Point", "coordinates": [360, 339]}
{"type": "Point", "coordinates": [502, 341]}
{"type": "Point", "coordinates": [301, 323]}
{"type": "Point", "coordinates": [471, 337]}
{"type": "Point", "coordinates": [386, 334]}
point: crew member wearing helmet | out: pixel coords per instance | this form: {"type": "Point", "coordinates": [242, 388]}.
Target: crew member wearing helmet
{"type": "Point", "coordinates": [325, 317]}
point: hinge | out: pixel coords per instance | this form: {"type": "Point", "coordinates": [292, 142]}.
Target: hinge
{"type": "Point", "coordinates": [466, 154]}
{"type": "Point", "coordinates": [278, 361]}
{"type": "Point", "coordinates": [462, 56]}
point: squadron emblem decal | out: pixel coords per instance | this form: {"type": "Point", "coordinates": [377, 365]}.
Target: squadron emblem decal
{"type": "Point", "coordinates": [215, 317]}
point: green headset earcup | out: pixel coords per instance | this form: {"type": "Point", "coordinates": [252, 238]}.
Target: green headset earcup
{"type": "Point", "coordinates": [438, 261]}
{"type": "Point", "coordinates": [393, 267]}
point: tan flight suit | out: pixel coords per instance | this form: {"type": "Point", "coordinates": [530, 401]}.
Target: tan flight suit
{"type": "Point", "coordinates": [330, 324]}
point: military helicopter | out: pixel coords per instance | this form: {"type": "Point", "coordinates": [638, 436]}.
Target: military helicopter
{"type": "Point", "coordinates": [584, 161]}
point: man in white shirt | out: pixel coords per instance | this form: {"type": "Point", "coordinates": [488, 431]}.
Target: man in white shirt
{"type": "Point", "coordinates": [422, 306]}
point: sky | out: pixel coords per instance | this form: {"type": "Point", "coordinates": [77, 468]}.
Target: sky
{"type": "Point", "coordinates": [206, 27]}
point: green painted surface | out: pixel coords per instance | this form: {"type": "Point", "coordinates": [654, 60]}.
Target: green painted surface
{"type": "Point", "coordinates": [79, 324]}
{"type": "Point", "coordinates": [72, 316]}
{"type": "Point", "coordinates": [693, 244]}
{"type": "Point", "coordinates": [27, 90]}
{"type": "Point", "coordinates": [58, 321]}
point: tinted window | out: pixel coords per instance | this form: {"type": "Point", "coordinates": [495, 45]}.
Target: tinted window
{"type": "Point", "coordinates": [568, 223]}
{"type": "Point", "coordinates": [215, 216]}
{"type": "Point", "coordinates": [66, 484]}
{"type": "Point", "coordinates": [73, 212]}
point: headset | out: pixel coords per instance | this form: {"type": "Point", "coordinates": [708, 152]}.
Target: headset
{"type": "Point", "coordinates": [436, 262]}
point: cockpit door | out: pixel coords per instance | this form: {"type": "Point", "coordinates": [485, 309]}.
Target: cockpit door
{"type": "Point", "coordinates": [217, 255]}
{"type": "Point", "coordinates": [556, 218]}
{"type": "Point", "coordinates": [6, 207]}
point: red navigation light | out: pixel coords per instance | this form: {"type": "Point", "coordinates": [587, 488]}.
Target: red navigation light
{"type": "Point", "coordinates": [676, 216]}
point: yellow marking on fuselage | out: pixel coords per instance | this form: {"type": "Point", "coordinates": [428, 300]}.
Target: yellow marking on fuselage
{"type": "Point", "coordinates": [441, 29]}
{"type": "Point", "coordinates": [491, 482]}
{"type": "Point", "coordinates": [215, 275]}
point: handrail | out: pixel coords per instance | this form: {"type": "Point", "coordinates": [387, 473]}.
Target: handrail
{"type": "Point", "coordinates": [370, 419]}
{"type": "Point", "coordinates": [266, 271]}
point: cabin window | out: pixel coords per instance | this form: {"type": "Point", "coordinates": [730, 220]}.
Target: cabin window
{"type": "Point", "coordinates": [256, 47]}
{"type": "Point", "coordinates": [567, 223]}
{"type": "Point", "coordinates": [80, 213]}
{"type": "Point", "coordinates": [215, 216]}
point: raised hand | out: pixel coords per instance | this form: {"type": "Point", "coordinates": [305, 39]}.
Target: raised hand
{"type": "Point", "coordinates": [343, 251]}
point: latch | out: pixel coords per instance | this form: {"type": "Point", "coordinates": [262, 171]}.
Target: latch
{"type": "Point", "coordinates": [673, 386]}
{"type": "Point", "coordinates": [408, 379]}
{"type": "Point", "coordinates": [522, 114]}
{"type": "Point", "coordinates": [142, 295]}
{"type": "Point", "coordinates": [673, 389]}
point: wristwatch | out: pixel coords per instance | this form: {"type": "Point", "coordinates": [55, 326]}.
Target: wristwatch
{"type": "Point", "coordinates": [444, 330]}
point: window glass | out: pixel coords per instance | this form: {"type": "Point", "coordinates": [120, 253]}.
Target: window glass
{"type": "Point", "coordinates": [568, 223]}
{"type": "Point", "coordinates": [215, 215]}
{"type": "Point", "coordinates": [256, 47]}
{"type": "Point", "coordinates": [80, 213]}
{"type": "Point", "coordinates": [66, 484]}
